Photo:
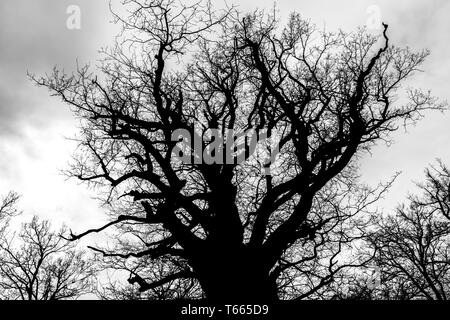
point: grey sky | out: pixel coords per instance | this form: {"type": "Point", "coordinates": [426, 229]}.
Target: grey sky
{"type": "Point", "coordinates": [34, 37]}
{"type": "Point", "coordinates": [33, 125]}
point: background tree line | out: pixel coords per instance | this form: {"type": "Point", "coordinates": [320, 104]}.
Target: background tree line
{"type": "Point", "coordinates": [402, 255]}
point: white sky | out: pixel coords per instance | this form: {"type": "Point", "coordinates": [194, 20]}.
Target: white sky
{"type": "Point", "coordinates": [33, 125]}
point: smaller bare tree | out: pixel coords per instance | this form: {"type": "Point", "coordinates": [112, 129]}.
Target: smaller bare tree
{"type": "Point", "coordinates": [436, 190]}
{"type": "Point", "coordinates": [412, 247]}
{"type": "Point", "coordinates": [8, 209]}
{"type": "Point", "coordinates": [8, 206]}
{"type": "Point", "coordinates": [413, 252]}
{"type": "Point", "coordinates": [37, 264]}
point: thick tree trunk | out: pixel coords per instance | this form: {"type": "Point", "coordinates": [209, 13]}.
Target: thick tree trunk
{"type": "Point", "coordinates": [235, 277]}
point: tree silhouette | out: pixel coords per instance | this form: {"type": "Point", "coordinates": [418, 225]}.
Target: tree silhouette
{"type": "Point", "coordinates": [237, 228]}
{"type": "Point", "coordinates": [8, 205]}
{"type": "Point", "coordinates": [436, 190]}
{"type": "Point", "coordinates": [413, 247]}
{"type": "Point", "coordinates": [37, 264]}
{"type": "Point", "coordinates": [410, 248]}
{"type": "Point", "coordinates": [8, 209]}
{"type": "Point", "coordinates": [413, 254]}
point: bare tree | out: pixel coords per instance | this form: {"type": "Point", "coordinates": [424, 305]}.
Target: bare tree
{"type": "Point", "coordinates": [413, 253]}
{"type": "Point", "coordinates": [37, 264]}
{"type": "Point", "coordinates": [8, 205]}
{"type": "Point", "coordinates": [236, 227]}
{"type": "Point", "coordinates": [411, 247]}
{"type": "Point", "coordinates": [8, 209]}
{"type": "Point", "coordinates": [436, 190]}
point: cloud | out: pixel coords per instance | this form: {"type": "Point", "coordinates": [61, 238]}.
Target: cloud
{"type": "Point", "coordinates": [37, 39]}
{"type": "Point", "coordinates": [34, 38]}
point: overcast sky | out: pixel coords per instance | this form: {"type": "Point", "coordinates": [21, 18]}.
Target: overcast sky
{"type": "Point", "coordinates": [33, 126]}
